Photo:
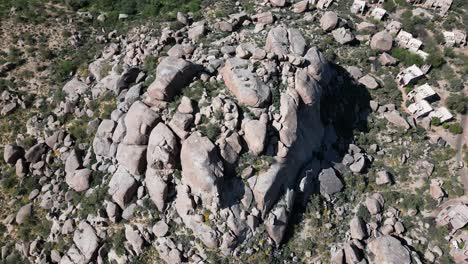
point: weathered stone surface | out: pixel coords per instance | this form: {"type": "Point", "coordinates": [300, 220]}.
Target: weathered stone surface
{"type": "Point", "coordinates": [73, 162]}
{"type": "Point", "coordinates": [122, 187]}
{"type": "Point", "coordinates": [301, 7]}
{"type": "Point", "coordinates": [172, 75]}
{"type": "Point", "coordinates": [388, 249]}
{"type": "Point", "coordinates": [369, 82]}
{"type": "Point", "coordinates": [329, 21]}
{"type": "Point", "coordinates": [277, 41]}
{"type": "Point", "coordinates": [383, 177]}
{"type": "Point", "coordinates": [255, 136]}
{"type": "Point", "coordinates": [318, 67]}
{"type": "Point", "coordinates": [196, 31]}
{"type": "Point", "coordinates": [308, 88]}
{"type": "Point", "coordinates": [160, 229]}
{"type": "Point", "coordinates": [23, 214]}
{"type": "Point", "coordinates": [86, 241]}
{"type": "Point", "coordinates": [201, 164]}
{"type": "Point", "coordinates": [12, 153]}
{"type": "Point", "coordinates": [34, 154]}
{"type": "Point", "coordinates": [74, 88]}
{"type": "Point", "coordinates": [247, 88]}
{"type": "Point", "coordinates": [329, 182]}
{"type": "Point", "coordinates": [139, 122]}
{"type": "Point", "coordinates": [264, 18]}
{"type": "Point", "coordinates": [163, 148]}
{"type": "Point", "coordinates": [134, 239]}
{"type": "Point", "coordinates": [343, 35]}
{"type": "Point", "coordinates": [278, 3]}
{"type": "Point", "coordinates": [276, 224]}
{"type": "Point", "coordinates": [386, 59]}
{"type": "Point", "coordinates": [382, 41]}
{"type": "Point", "coordinates": [358, 228]}
{"type": "Point", "coordinates": [78, 180]}
{"type": "Point", "coordinates": [395, 118]}
{"type": "Point", "coordinates": [157, 187]}
{"type": "Point", "coordinates": [132, 158]}
{"type": "Point", "coordinates": [297, 42]}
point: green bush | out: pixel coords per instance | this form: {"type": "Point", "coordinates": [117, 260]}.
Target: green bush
{"type": "Point", "coordinates": [436, 60]}
{"type": "Point", "coordinates": [435, 121]}
{"type": "Point", "coordinates": [64, 68]}
{"type": "Point", "coordinates": [457, 103]}
{"type": "Point", "coordinates": [456, 129]}
{"type": "Point", "coordinates": [210, 130]}
{"type": "Point", "coordinates": [406, 57]}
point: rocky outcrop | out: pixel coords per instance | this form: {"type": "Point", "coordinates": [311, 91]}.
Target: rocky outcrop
{"type": "Point", "coordinates": [388, 249]}
{"type": "Point", "coordinates": [201, 165]}
{"type": "Point", "coordinates": [86, 241]}
{"type": "Point", "coordinates": [172, 75]}
{"type": "Point", "coordinates": [122, 187]}
{"type": "Point", "coordinates": [248, 89]}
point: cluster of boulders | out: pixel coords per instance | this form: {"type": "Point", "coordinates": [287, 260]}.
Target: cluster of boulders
{"type": "Point", "coordinates": [264, 101]}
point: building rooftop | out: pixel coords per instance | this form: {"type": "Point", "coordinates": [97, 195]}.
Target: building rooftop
{"type": "Point", "coordinates": [422, 92]}
{"type": "Point", "coordinates": [442, 113]}
{"type": "Point", "coordinates": [420, 108]}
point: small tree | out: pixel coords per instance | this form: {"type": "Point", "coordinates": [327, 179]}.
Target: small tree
{"type": "Point", "coordinates": [435, 121]}
{"type": "Point", "coordinates": [455, 129]}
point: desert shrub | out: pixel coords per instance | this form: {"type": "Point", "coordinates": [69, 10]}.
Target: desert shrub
{"type": "Point", "coordinates": [210, 130]}
{"type": "Point", "coordinates": [64, 69]}
{"type": "Point", "coordinates": [363, 213]}
{"type": "Point", "coordinates": [389, 6]}
{"type": "Point", "coordinates": [118, 240]}
{"type": "Point", "coordinates": [457, 102]}
{"type": "Point", "coordinates": [455, 129]}
{"type": "Point", "coordinates": [448, 52]}
{"type": "Point", "coordinates": [406, 57]}
{"type": "Point", "coordinates": [456, 84]}
{"type": "Point", "coordinates": [435, 59]}
{"type": "Point", "coordinates": [435, 121]}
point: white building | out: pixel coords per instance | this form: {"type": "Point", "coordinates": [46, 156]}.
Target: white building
{"type": "Point", "coordinates": [409, 75]}
{"type": "Point", "coordinates": [403, 38]}
{"type": "Point", "coordinates": [358, 6]}
{"type": "Point", "coordinates": [420, 108]}
{"type": "Point", "coordinates": [324, 4]}
{"type": "Point", "coordinates": [443, 114]}
{"type": "Point", "coordinates": [455, 217]}
{"type": "Point", "coordinates": [422, 92]}
{"type": "Point", "coordinates": [455, 38]}
{"type": "Point", "coordinates": [378, 13]}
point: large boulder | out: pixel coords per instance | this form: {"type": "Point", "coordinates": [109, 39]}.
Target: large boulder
{"type": "Point", "coordinates": [248, 89]}
{"type": "Point", "coordinates": [276, 224]}
{"type": "Point", "coordinates": [318, 66]}
{"type": "Point", "coordinates": [329, 21]}
{"type": "Point", "coordinates": [343, 35]}
{"type": "Point", "coordinates": [395, 118]}
{"type": "Point", "coordinates": [277, 41]}
{"type": "Point", "coordinates": [307, 87]}
{"type": "Point", "coordinates": [382, 41]}
{"type": "Point", "coordinates": [201, 164]}
{"type": "Point", "coordinates": [132, 158]}
{"type": "Point", "coordinates": [358, 228]}
{"type": "Point", "coordinates": [388, 249]}
{"type": "Point", "coordinates": [329, 182]}
{"type": "Point", "coordinates": [12, 153]}
{"type": "Point", "coordinates": [86, 241]}
{"type": "Point", "coordinates": [157, 187]}
{"type": "Point", "coordinates": [139, 122]}
{"type": "Point", "coordinates": [122, 187]}
{"type": "Point", "coordinates": [297, 41]}
{"type": "Point", "coordinates": [35, 153]}
{"type": "Point", "coordinates": [255, 135]}
{"type": "Point", "coordinates": [172, 74]}
{"type": "Point", "coordinates": [162, 148]}
{"type": "Point", "coordinates": [23, 214]}
{"type": "Point", "coordinates": [78, 180]}
{"type": "Point", "coordinates": [74, 88]}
